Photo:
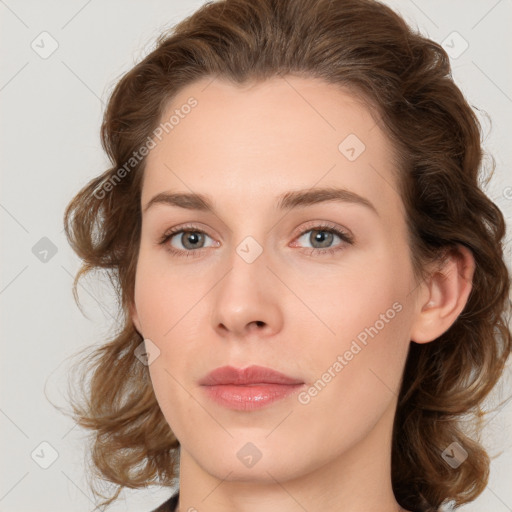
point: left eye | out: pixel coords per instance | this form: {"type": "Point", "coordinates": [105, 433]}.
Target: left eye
{"type": "Point", "coordinates": [322, 237]}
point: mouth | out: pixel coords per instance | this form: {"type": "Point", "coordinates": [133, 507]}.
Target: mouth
{"type": "Point", "coordinates": [248, 389]}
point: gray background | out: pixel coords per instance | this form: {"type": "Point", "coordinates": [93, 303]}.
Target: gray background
{"type": "Point", "coordinates": [51, 112]}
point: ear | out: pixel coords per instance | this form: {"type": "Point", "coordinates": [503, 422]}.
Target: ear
{"type": "Point", "coordinates": [135, 318]}
{"type": "Point", "coordinates": [443, 295]}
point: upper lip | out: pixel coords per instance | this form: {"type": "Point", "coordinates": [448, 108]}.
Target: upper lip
{"type": "Point", "coordinates": [250, 375]}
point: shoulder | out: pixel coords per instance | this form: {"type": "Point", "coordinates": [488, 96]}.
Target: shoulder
{"type": "Point", "coordinates": [169, 505]}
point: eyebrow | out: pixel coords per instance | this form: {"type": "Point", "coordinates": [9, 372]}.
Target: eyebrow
{"type": "Point", "coordinates": [287, 201]}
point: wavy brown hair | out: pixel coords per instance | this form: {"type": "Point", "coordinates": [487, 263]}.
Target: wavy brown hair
{"type": "Point", "coordinates": [365, 47]}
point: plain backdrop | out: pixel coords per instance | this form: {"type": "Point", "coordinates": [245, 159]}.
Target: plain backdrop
{"type": "Point", "coordinates": [59, 61]}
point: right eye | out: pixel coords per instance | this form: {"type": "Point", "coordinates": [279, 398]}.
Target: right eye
{"type": "Point", "coordinates": [191, 239]}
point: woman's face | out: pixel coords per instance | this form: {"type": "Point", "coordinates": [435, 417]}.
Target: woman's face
{"type": "Point", "coordinates": [273, 274]}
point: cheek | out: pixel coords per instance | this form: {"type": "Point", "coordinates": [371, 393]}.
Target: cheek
{"type": "Point", "coordinates": [368, 314]}
{"type": "Point", "coordinates": [355, 377]}
{"type": "Point", "coordinates": [163, 295]}
{"type": "Point", "coordinates": [168, 304]}
{"type": "Point", "coordinates": [368, 296]}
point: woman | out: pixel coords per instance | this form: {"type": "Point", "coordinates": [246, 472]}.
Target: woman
{"type": "Point", "coordinates": [312, 281]}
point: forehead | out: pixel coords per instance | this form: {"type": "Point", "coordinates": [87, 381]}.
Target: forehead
{"type": "Point", "coordinates": [265, 138]}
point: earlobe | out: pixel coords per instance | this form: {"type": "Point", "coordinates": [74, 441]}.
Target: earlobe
{"type": "Point", "coordinates": [445, 294]}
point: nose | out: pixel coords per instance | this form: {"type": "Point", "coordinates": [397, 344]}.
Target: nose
{"type": "Point", "coordinates": [246, 301]}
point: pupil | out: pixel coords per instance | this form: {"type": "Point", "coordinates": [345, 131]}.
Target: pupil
{"type": "Point", "coordinates": [322, 236]}
{"type": "Point", "coordinates": [189, 239]}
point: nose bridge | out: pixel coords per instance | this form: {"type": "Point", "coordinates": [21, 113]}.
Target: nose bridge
{"type": "Point", "coordinates": [248, 275]}
{"type": "Point", "coordinates": [249, 250]}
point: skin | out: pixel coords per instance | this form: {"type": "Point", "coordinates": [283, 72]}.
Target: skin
{"type": "Point", "coordinates": [243, 147]}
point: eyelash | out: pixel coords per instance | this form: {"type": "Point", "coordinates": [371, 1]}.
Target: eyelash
{"type": "Point", "coordinates": [325, 227]}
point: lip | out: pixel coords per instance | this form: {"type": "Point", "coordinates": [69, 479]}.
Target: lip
{"type": "Point", "coordinates": [248, 388]}
{"type": "Point", "coordinates": [243, 376]}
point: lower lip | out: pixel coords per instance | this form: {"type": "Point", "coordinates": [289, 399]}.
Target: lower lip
{"type": "Point", "coordinates": [249, 397]}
